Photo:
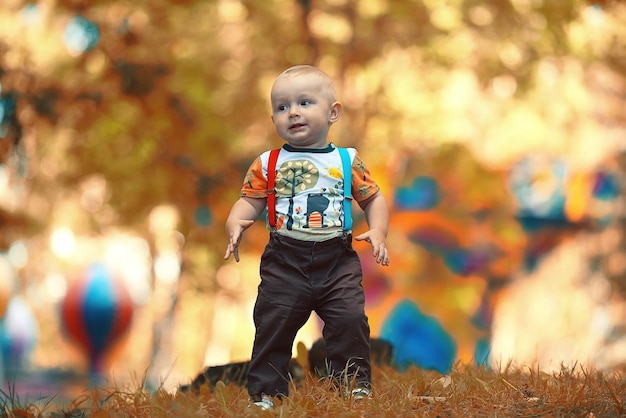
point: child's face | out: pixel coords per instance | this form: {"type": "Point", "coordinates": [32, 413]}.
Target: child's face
{"type": "Point", "coordinates": [303, 109]}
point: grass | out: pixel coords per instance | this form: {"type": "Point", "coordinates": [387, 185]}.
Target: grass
{"type": "Point", "coordinates": [468, 391]}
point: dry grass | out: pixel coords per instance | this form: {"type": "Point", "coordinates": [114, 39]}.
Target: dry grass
{"type": "Point", "coordinates": [466, 391]}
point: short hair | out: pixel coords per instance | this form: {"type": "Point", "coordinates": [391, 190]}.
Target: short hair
{"type": "Point", "coordinates": [327, 81]}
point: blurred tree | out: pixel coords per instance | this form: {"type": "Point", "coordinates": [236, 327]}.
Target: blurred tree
{"type": "Point", "coordinates": [119, 106]}
{"type": "Point", "coordinates": [170, 88]}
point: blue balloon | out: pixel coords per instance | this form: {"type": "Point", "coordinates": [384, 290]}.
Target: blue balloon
{"type": "Point", "coordinates": [96, 312]}
{"type": "Point", "coordinates": [422, 194]}
{"type": "Point", "coordinates": [418, 339]}
{"type": "Point", "coordinates": [99, 307]}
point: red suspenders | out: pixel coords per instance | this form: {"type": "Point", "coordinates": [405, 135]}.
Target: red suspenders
{"type": "Point", "coordinates": [271, 184]}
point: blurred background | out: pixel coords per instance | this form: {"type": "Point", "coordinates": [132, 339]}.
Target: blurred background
{"type": "Point", "coordinates": [496, 130]}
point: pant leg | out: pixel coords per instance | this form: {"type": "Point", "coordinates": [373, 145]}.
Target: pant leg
{"type": "Point", "coordinates": [340, 303]}
{"type": "Point", "coordinates": [282, 307]}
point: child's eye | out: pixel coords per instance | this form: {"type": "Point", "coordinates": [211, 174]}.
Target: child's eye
{"type": "Point", "coordinates": [281, 108]}
{"type": "Point", "coordinates": [305, 103]}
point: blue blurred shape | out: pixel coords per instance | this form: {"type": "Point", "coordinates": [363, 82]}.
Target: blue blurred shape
{"type": "Point", "coordinates": [81, 35]}
{"type": "Point", "coordinates": [468, 261]}
{"type": "Point", "coordinates": [99, 311]}
{"type": "Point", "coordinates": [606, 186]}
{"type": "Point", "coordinates": [532, 223]}
{"type": "Point", "coordinates": [418, 339]}
{"type": "Point", "coordinates": [203, 215]}
{"type": "Point", "coordinates": [464, 262]}
{"type": "Point", "coordinates": [482, 351]}
{"type": "Point", "coordinates": [7, 108]}
{"type": "Point", "coordinates": [422, 194]}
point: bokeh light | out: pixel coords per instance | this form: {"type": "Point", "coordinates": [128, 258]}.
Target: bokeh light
{"type": "Point", "coordinates": [81, 35]}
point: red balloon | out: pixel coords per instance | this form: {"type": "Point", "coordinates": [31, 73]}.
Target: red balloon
{"type": "Point", "coordinates": [96, 312]}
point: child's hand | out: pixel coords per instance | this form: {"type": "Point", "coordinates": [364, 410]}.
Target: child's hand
{"type": "Point", "coordinates": [234, 238]}
{"type": "Point", "coordinates": [377, 240]}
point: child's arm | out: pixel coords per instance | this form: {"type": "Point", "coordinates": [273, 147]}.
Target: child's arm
{"type": "Point", "coordinates": [242, 216]}
{"type": "Point", "coordinates": [377, 217]}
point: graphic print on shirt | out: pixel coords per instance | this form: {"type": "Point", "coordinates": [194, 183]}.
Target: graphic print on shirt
{"type": "Point", "coordinates": [337, 190]}
{"type": "Point", "coordinates": [299, 174]}
{"type": "Point", "coordinates": [294, 177]}
{"type": "Point", "coordinates": [316, 204]}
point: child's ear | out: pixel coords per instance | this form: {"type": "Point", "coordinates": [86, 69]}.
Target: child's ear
{"type": "Point", "coordinates": [335, 112]}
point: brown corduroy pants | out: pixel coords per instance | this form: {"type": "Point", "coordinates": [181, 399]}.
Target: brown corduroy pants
{"type": "Point", "coordinates": [297, 278]}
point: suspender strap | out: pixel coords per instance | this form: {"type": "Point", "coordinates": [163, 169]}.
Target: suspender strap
{"type": "Point", "coordinates": [346, 167]}
{"type": "Point", "coordinates": [271, 184]}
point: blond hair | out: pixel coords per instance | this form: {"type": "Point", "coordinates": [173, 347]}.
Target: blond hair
{"type": "Point", "coordinates": [327, 82]}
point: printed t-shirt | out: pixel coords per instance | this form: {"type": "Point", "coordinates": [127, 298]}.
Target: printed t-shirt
{"type": "Point", "coordinates": [309, 190]}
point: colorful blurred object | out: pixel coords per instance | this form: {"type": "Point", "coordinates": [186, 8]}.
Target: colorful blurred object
{"type": "Point", "coordinates": [433, 232]}
{"type": "Point", "coordinates": [96, 312]}
{"type": "Point", "coordinates": [554, 201]}
{"type": "Point", "coordinates": [81, 35]}
{"type": "Point", "coordinates": [203, 216]}
{"type": "Point", "coordinates": [418, 339]}
{"type": "Point", "coordinates": [539, 186]}
{"type": "Point", "coordinates": [550, 194]}
{"type": "Point", "coordinates": [7, 111]}
{"type": "Point", "coordinates": [606, 186]}
{"type": "Point", "coordinates": [19, 334]}
{"type": "Point", "coordinates": [482, 351]}
{"type": "Point", "coordinates": [7, 108]}
{"type": "Point", "coordinates": [469, 261]}
{"type": "Point", "coordinates": [422, 194]}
